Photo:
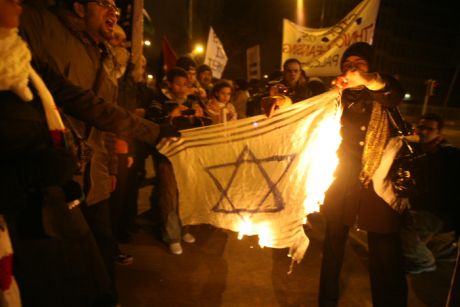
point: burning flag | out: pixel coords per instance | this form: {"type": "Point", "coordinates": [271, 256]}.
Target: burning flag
{"type": "Point", "coordinates": [259, 176]}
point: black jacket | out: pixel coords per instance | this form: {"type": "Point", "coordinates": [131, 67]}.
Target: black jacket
{"type": "Point", "coordinates": [347, 201]}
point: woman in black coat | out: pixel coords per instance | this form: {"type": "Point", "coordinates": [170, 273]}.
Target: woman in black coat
{"type": "Point", "coordinates": [351, 198]}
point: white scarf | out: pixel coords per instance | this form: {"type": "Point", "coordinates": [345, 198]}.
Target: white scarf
{"type": "Point", "coordinates": [15, 64]}
{"type": "Point", "coordinates": [15, 72]}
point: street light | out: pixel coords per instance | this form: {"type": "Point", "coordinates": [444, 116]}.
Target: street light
{"type": "Point", "coordinates": [199, 49]}
{"type": "Point", "coordinates": [300, 13]}
{"type": "Point", "coordinates": [147, 42]}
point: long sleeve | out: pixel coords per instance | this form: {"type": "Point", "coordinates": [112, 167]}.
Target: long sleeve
{"type": "Point", "coordinates": [85, 106]}
{"type": "Point", "coordinates": [391, 95]}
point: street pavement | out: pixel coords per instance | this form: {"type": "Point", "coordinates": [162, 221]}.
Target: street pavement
{"type": "Point", "coordinates": [220, 270]}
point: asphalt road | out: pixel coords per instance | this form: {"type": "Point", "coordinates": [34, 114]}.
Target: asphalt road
{"type": "Point", "coordinates": [220, 270]}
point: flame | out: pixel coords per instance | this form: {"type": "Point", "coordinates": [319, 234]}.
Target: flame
{"type": "Point", "coordinates": [317, 163]}
{"type": "Point", "coordinates": [319, 159]}
{"type": "Point", "coordinates": [262, 229]}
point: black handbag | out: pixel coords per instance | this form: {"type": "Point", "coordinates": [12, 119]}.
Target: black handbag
{"type": "Point", "coordinates": [402, 170]}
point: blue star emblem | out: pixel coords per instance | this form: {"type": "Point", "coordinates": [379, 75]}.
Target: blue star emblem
{"type": "Point", "coordinates": [271, 201]}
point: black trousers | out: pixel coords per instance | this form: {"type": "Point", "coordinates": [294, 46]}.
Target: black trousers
{"type": "Point", "coordinates": [387, 276]}
{"type": "Point", "coordinates": [98, 218]}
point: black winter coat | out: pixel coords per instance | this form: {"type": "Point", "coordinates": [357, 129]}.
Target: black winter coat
{"type": "Point", "coordinates": [347, 201]}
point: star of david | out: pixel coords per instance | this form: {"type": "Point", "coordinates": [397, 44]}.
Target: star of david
{"type": "Point", "coordinates": [246, 158]}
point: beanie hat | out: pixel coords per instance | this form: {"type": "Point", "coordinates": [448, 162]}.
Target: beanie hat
{"type": "Point", "coordinates": [360, 49]}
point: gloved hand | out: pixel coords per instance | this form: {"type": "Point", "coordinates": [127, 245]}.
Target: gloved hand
{"type": "Point", "coordinates": [168, 131]}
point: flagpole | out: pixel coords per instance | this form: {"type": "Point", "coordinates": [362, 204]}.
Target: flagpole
{"type": "Point", "coordinates": [190, 23]}
{"type": "Point", "coordinates": [137, 33]}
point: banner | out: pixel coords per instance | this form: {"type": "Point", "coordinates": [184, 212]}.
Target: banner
{"type": "Point", "coordinates": [253, 62]}
{"type": "Point", "coordinates": [215, 56]}
{"type": "Point", "coordinates": [259, 176]}
{"type": "Point", "coordinates": [320, 50]}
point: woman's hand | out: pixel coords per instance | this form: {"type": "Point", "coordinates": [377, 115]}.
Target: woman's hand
{"type": "Point", "coordinates": [355, 78]}
{"type": "Point", "coordinates": [272, 103]}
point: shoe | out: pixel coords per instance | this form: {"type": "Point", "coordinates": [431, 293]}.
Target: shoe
{"type": "Point", "coordinates": [421, 269]}
{"type": "Point", "coordinates": [175, 248]}
{"type": "Point", "coordinates": [124, 259]}
{"type": "Point", "coordinates": [189, 238]}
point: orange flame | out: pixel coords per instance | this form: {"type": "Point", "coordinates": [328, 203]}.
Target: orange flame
{"type": "Point", "coordinates": [319, 159]}
{"type": "Point", "coordinates": [262, 229]}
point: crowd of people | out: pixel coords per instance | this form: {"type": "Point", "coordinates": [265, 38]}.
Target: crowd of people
{"type": "Point", "coordinates": [69, 197]}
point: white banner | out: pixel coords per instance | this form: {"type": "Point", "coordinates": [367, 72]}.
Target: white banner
{"type": "Point", "coordinates": [215, 57]}
{"type": "Point", "coordinates": [320, 50]}
{"type": "Point", "coordinates": [253, 62]}
{"type": "Point", "coordinates": [257, 175]}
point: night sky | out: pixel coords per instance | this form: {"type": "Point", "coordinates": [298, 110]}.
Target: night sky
{"type": "Point", "coordinates": [421, 39]}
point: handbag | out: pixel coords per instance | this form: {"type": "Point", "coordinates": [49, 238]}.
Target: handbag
{"type": "Point", "coordinates": [401, 173]}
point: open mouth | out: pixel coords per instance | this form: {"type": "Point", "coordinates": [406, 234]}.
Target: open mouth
{"type": "Point", "coordinates": [111, 21]}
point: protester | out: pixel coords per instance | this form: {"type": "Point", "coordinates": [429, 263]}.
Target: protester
{"type": "Point", "coordinates": [240, 97]}
{"type": "Point", "coordinates": [295, 80]}
{"type": "Point", "coordinates": [204, 77]}
{"type": "Point", "coordinates": [173, 106]}
{"type": "Point", "coordinates": [219, 106]}
{"type": "Point", "coordinates": [428, 229]}
{"type": "Point", "coordinates": [123, 208]}
{"type": "Point", "coordinates": [193, 86]}
{"type": "Point", "coordinates": [351, 197]}
{"type": "Point", "coordinates": [56, 261]}
{"type": "Point", "coordinates": [74, 37]}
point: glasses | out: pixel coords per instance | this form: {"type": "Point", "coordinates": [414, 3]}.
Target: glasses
{"type": "Point", "coordinates": [421, 127]}
{"type": "Point", "coordinates": [107, 5]}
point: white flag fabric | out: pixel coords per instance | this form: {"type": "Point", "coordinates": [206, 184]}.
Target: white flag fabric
{"type": "Point", "coordinates": [320, 50]}
{"type": "Point", "coordinates": [258, 175]}
{"type": "Point", "coordinates": [215, 56]}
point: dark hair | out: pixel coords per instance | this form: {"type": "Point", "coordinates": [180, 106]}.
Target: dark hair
{"type": "Point", "coordinates": [175, 72]}
{"type": "Point", "coordinates": [362, 50]}
{"type": "Point", "coordinates": [67, 4]}
{"type": "Point", "coordinates": [185, 62]}
{"type": "Point", "coordinates": [202, 68]}
{"type": "Point", "coordinates": [434, 117]}
{"type": "Point", "coordinates": [218, 86]}
{"type": "Point", "coordinates": [290, 61]}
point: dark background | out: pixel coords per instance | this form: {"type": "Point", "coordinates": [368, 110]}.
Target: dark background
{"type": "Point", "coordinates": [414, 40]}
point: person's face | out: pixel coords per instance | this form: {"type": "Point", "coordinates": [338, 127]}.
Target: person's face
{"type": "Point", "coordinates": [355, 63]}
{"type": "Point", "coordinates": [292, 73]}
{"type": "Point", "coordinates": [427, 130]}
{"type": "Point", "coordinates": [224, 94]}
{"type": "Point", "coordinates": [118, 38]}
{"type": "Point", "coordinates": [10, 10]}
{"type": "Point", "coordinates": [205, 78]}
{"type": "Point", "coordinates": [179, 87]}
{"type": "Point", "coordinates": [100, 18]}
{"type": "Point", "coordinates": [191, 73]}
